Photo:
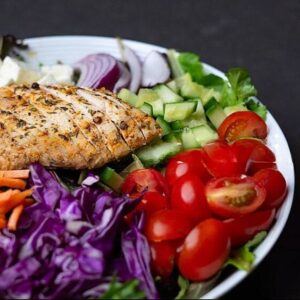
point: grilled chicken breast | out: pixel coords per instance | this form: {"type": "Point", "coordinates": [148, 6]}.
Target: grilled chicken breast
{"type": "Point", "coordinates": [68, 127]}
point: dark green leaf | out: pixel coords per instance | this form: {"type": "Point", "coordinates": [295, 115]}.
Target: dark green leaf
{"type": "Point", "coordinates": [191, 63]}
{"type": "Point", "coordinates": [257, 107]}
{"type": "Point", "coordinates": [212, 81]}
{"type": "Point", "coordinates": [244, 257]}
{"type": "Point", "coordinates": [127, 290]}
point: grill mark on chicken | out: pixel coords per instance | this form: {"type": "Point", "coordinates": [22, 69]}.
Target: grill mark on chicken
{"type": "Point", "coordinates": [109, 138]}
{"type": "Point", "coordinates": [124, 122]}
{"type": "Point", "coordinates": [142, 120]}
{"type": "Point", "coordinates": [41, 137]}
{"type": "Point", "coordinates": [66, 128]}
{"type": "Point", "coordinates": [62, 132]}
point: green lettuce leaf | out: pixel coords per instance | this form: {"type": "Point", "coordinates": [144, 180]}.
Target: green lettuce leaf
{"type": "Point", "coordinates": [240, 82]}
{"type": "Point", "coordinates": [244, 257]}
{"type": "Point", "coordinates": [257, 107]}
{"type": "Point", "coordinates": [191, 63]}
{"type": "Point", "coordinates": [126, 290]}
{"type": "Point", "coordinates": [184, 285]}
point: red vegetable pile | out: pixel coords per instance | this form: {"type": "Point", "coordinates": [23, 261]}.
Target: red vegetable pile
{"type": "Point", "coordinates": [210, 200]}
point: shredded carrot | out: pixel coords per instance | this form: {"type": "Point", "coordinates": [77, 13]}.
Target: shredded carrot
{"type": "Point", "coordinates": [2, 221]}
{"type": "Point", "coordinates": [28, 202]}
{"type": "Point", "coordinates": [14, 217]}
{"type": "Point", "coordinates": [13, 183]}
{"type": "Point", "coordinates": [12, 200]}
{"type": "Point", "coordinates": [22, 174]}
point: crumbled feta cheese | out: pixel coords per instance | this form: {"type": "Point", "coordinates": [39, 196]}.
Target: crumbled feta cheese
{"type": "Point", "coordinates": [14, 71]}
{"type": "Point", "coordinates": [10, 69]}
{"type": "Point", "coordinates": [62, 73]}
{"type": "Point", "coordinates": [47, 79]}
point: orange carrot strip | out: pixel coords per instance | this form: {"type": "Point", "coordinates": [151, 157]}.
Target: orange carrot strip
{"type": "Point", "coordinates": [28, 202]}
{"type": "Point", "coordinates": [2, 221]}
{"type": "Point", "coordinates": [22, 174]}
{"type": "Point", "coordinates": [6, 195]}
{"type": "Point", "coordinates": [14, 217]}
{"type": "Point", "coordinates": [13, 183]}
{"type": "Point", "coordinates": [15, 199]}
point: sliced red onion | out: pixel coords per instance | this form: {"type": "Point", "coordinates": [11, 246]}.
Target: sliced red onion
{"type": "Point", "coordinates": [98, 70]}
{"type": "Point", "coordinates": [155, 69]}
{"type": "Point", "coordinates": [124, 77]}
{"type": "Point", "coordinates": [134, 64]}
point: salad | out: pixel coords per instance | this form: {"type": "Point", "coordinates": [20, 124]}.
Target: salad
{"type": "Point", "coordinates": [164, 222]}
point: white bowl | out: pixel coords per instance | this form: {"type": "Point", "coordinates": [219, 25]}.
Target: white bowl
{"type": "Point", "coordinates": [68, 49]}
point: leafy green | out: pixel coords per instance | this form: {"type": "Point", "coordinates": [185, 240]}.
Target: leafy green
{"type": "Point", "coordinates": [212, 81]}
{"type": "Point", "coordinates": [184, 285]}
{"type": "Point", "coordinates": [257, 107]}
{"type": "Point", "coordinates": [239, 88]}
{"type": "Point", "coordinates": [244, 257]}
{"type": "Point", "coordinates": [240, 82]}
{"type": "Point", "coordinates": [127, 290]}
{"type": "Point", "coordinates": [190, 62]}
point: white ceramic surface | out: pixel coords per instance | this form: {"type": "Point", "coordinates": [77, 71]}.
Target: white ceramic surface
{"type": "Point", "coordinates": [68, 49]}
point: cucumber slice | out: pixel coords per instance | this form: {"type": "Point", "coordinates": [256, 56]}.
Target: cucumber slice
{"type": "Point", "coordinates": [158, 152]}
{"type": "Point", "coordinates": [179, 124]}
{"type": "Point", "coordinates": [203, 134]}
{"type": "Point", "coordinates": [179, 110]}
{"type": "Point", "coordinates": [166, 94]}
{"type": "Point", "coordinates": [157, 107]}
{"type": "Point", "coordinates": [199, 113]}
{"type": "Point", "coordinates": [173, 86]}
{"type": "Point", "coordinates": [194, 90]}
{"type": "Point", "coordinates": [111, 178]}
{"type": "Point", "coordinates": [182, 80]}
{"type": "Point", "coordinates": [188, 139]}
{"type": "Point", "coordinates": [216, 115]}
{"type": "Point", "coordinates": [232, 109]}
{"type": "Point", "coordinates": [172, 138]}
{"type": "Point", "coordinates": [135, 165]}
{"type": "Point", "coordinates": [129, 97]}
{"type": "Point", "coordinates": [210, 103]}
{"type": "Point", "coordinates": [147, 109]}
{"type": "Point", "coordinates": [147, 95]}
{"type": "Point", "coordinates": [164, 125]}
{"type": "Point", "coordinates": [174, 63]}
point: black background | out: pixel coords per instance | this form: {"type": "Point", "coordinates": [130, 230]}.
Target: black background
{"type": "Point", "coordinates": [262, 36]}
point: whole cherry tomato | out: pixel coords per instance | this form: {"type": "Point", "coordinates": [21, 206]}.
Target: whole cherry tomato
{"type": "Point", "coordinates": [187, 162]}
{"type": "Point", "coordinates": [166, 225]}
{"type": "Point", "coordinates": [242, 229]}
{"type": "Point", "coordinates": [188, 196]}
{"type": "Point", "coordinates": [275, 185]}
{"type": "Point", "coordinates": [204, 251]}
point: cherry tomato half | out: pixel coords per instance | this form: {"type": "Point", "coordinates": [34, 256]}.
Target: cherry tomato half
{"type": "Point", "coordinates": [275, 185]}
{"type": "Point", "coordinates": [166, 225]}
{"type": "Point", "coordinates": [187, 162]}
{"type": "Point", "coordinates": [221, 160]}
{"type": "Point", "coordinates": [231, 197]}
{"type": "Point", "coordinates": [163, 256]}
{"type": "Point", "coordinates": [150, 203]}
{"type": "Point", "coordinates": [253, 155]}
{"type": "Point", "coordinates": [188, 196]}
{"type": "Point", "coordinates": [204, 251]}
{"type": "Point", "coordinates": [242, 229]}
{"type": "Point", "coordinates": [242, 124]}
{"type": "Point", "coordinates": [139, 180]}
